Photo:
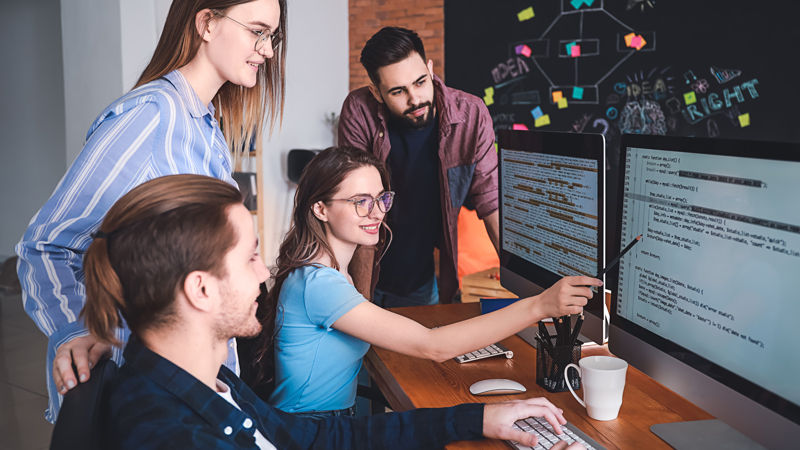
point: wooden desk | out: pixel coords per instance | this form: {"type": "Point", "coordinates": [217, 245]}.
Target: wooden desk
{"type": "Point", "coordinates": [409, 383]}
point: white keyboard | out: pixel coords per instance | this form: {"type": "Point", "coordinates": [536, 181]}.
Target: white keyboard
{"type": "Point", "coordinates": [486, 352]}
{"type": "Point", "coordinates": [548, 438]}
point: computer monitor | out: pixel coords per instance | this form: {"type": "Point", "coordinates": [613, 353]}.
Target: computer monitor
{"type": "Point", "coordinates": [552, 191]}
{"type": "Point", "coordinates": [707, 302]}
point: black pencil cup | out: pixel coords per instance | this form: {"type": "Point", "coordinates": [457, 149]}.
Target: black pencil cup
{"type": "Point", "coordinates": [550, 363]}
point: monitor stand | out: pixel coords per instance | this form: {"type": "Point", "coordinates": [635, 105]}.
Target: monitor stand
{"type": "Point", "coordinates": [703, 434]}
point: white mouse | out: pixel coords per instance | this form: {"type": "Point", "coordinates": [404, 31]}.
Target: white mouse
{"type": "Point", "coordinates": [496, 387]}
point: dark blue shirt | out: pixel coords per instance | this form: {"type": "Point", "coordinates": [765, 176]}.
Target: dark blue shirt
{"type": "Point", "coordinates": [157, 405]}
{"type": "Point", "coordinates": [416, 215]}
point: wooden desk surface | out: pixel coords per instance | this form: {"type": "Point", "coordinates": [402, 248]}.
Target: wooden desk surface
{"type": "Point", "coordinates": [409, 383]}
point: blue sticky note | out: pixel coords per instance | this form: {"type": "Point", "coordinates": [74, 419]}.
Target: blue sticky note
{"type": "Point", "coordinates": [577, 93]}
{"type": "Point", "coordinates": [576, 3]}
{"type": "Point", "coordinates": [537, 112]}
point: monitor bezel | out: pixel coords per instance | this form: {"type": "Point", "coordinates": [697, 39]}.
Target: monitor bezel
{"type": "Point", "coordinates": [577, 145]}
{"type": "Point", "coordinates": [776, 151]}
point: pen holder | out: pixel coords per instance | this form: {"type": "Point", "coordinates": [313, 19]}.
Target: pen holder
{"type": "Point", "coordinates": [550, 363]}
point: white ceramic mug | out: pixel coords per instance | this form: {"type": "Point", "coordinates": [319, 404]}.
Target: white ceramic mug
{"type": "Point", "coordinates": [602, 380]}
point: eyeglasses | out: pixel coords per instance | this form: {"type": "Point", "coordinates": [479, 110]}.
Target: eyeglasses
{"type": "Point", "coordinates": [261, 36]}
{"type": "Point", "coordinates": [365, 203]}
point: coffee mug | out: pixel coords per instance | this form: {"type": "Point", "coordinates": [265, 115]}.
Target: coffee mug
{"type": "Point", "coordinates": [603, 380]}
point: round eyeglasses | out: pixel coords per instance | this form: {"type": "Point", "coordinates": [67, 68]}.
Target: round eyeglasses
{"type": "Point", "coordinates": [365, 203]}
{"type": "Point", "coordinates": [261, 36]}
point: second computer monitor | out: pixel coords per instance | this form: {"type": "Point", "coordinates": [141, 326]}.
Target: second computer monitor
{"type": "Point", "coordinates": [552, 191]}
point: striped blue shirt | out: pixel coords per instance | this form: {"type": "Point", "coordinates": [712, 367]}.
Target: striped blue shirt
{"type": "Point", "coordinates": [161, 128]}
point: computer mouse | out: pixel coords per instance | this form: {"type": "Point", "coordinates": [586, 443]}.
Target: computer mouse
{"type": "Point", "coordinates": [497, 386]}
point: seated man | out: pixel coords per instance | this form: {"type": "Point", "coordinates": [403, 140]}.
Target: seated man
{"type": "Point", "coordinates": [177, 259]}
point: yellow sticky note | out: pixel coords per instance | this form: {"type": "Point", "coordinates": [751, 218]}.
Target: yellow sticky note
{"type": "Point", "coordinates": [744, 120]}
{"type": "Point", "coordinates": [542, 121]}
{"type": "Point", "coordinates": [525, 14]}
{"type": "Point", "coordinates": [488, 100]}
{"type": "Point", "coordinates": [629, 38]}
{"type": "Point", "coordinates": [489, 92]}
{"type": "Point", "coordinates": [689, 98]}
{"type": "Point", "coordinates": [495, 148]}
{"type": "Point", "coordinates": [557, 96]}
{"type": "Point", "coordinates": [562, 103]}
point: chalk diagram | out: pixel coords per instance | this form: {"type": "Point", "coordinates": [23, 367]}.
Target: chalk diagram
{"type": "Point", "coordinates": [539, 49]}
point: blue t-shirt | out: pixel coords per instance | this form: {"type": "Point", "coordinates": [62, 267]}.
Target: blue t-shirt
{"type": "Point", "coordinates": [316, 367]}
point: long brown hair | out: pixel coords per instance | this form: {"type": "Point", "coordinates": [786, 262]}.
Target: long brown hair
{"type": "Point", "coordinates": [149, 242]}
{"type": "Point", "coordinates": [239, 110]}
{"type": "Point", "coordinates": [306, 240]}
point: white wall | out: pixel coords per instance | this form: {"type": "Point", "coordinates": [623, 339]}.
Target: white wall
{"type": "Point", "coordinates": [32, 157]}
{"type": "Point", "coordinates": [317, 81]}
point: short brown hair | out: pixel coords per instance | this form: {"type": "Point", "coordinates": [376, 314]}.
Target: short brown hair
{"type": "Point", "coordinates": [149, 242]}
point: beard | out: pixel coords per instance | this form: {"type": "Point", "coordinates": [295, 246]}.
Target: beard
{"type": "Point", "coordinates": [236, 321]}
{"type": "Point", "coordinates": [416, 123]}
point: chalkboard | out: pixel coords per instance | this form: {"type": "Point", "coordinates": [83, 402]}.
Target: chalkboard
{"type": "Point", "coordinates": [706, 68]}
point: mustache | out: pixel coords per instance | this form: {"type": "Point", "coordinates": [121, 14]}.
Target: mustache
{"type": "Point", "coordinates": [416, 107]}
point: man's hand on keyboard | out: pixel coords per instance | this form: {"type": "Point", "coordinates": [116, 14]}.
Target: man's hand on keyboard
{"type": "Point", "coordinates": [499, 419]}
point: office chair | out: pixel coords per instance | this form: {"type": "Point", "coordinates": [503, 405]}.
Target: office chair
{"type": "Point", "coordinates": [82, 420]}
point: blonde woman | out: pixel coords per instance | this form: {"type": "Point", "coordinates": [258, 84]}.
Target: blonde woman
{"type": "Point", "coordinates": [219, 65]}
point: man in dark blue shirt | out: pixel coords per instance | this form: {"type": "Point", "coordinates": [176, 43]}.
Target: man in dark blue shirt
{"type": "Point", "coordinates": [177, 259]}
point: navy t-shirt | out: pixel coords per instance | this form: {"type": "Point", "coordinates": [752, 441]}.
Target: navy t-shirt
{"type": "Point", "coordinates": [416, 215]}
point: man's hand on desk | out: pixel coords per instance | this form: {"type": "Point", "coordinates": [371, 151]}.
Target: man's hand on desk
{"type": "Point", "coordinates": [499, 418]}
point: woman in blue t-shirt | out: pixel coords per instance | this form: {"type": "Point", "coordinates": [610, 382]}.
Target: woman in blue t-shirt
{"type": "Point", "coordinates": [325, 326]}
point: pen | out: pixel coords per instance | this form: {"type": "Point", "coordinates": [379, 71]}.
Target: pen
{"type": "Point", "coordinates": [616, 260]}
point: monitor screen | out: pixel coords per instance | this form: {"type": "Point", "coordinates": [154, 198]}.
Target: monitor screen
{"type": "Point", "coordinates": [551, 207]}
{"type": "Point", "coordinates": [713, 280]}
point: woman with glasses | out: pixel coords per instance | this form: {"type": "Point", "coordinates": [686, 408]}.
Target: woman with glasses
{"type": "Point", "coordinates": [324, 326]}
{"type": "Point", "coordinates": [215, 79]}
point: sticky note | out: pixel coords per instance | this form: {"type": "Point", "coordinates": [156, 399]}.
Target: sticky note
{"type": "Point", "coordinates": [642, 42]}
{"type": "Point", "coordinates": [542, 121]}
{"type": "Point", "coordinates": [495, 148]}
{"type": "Point", "coordinates": [576, 3]}
{"type": "Point", "coordinates": [577, 93]}
{"type": "Point", "coordinates": [525, 14]}
{"type": "Point", "coordinates": [690, 98]}
{"type": "Point", "coordinates": [588, 2]}
{"type": "Point", "coordinates": [488, 100]}
{"type": "Point", "coordinates": [537, 112]}
{"type": "Point", "coordinates": [576, 51]}
{"type": "Point", "coordinates": [636, 41]}
{"type": "Point", "coordinates": [562, 103]}
{"type": "Point", "coordinates": [520, 126]}
{"type": "Point", "coordinates": [569, 47]}
{"type": "Point", "coordinates": [526, 51]}
{"type": "Point", "coordinates": [629, 39]}
{"type": "Point", "coordinates": [744, 120]}
{"type": "Point", "coordinates": [518, 49]}
{"type": "Point", "coordinates": [557, 95]}
{"type": "Point", "coordinates": [489, 92]}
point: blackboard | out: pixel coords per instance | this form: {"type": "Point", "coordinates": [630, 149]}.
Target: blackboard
{"type": "Point", "coordinates": [706, 67]}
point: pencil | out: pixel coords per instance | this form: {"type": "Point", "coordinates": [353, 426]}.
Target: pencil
{"type": "Point", "coordinates": [616, 260]}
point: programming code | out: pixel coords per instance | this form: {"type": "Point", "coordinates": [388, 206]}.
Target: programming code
{"type": "Point", "coordinates": [550, 215]}
{"type": "Point", "coordinates": [716, 267]}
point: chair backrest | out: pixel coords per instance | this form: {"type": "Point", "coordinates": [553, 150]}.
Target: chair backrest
{"type": "Point", "coordinates": [82, 420]}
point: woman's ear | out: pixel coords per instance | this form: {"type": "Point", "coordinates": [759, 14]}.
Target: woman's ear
{"type": "Point", "coordinates": [320, 211]}
{"type": "Point", "coordinates": [202, 23]}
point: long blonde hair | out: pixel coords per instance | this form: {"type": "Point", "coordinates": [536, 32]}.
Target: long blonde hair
{"type": "Point", "coordinates": [241, 111]}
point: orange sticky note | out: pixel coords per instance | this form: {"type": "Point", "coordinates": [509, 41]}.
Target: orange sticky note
{"type": "Point", "coordinates": [562, 103]}
{"type": "Point", "coordinates": [629, 38]}
{"type": "Point", "coordinates": [557, 95]}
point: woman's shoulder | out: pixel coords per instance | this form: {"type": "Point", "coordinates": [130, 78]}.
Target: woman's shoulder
{"type": "Point", "coordinates": [316, 273]}
{"type": "Point", "coordinates": [152, 97]}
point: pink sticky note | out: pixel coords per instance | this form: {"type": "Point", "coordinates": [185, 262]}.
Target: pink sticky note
{"type": "Point", "coordinates": [526, 50]}
{"type": "Point", "coordinates": [576, 50]}
{"type": "Point", "coordinates": [629, 38]}
{"type": "Point", "coordinates": [642, 42]}
{"type": "Point", "coordinates": [520, 126]}
{"type": "Point", "coordinates": [636, 41]}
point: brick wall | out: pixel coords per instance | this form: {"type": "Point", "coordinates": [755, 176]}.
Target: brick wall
{"type": "Point", "coordinates": [426, 17]}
